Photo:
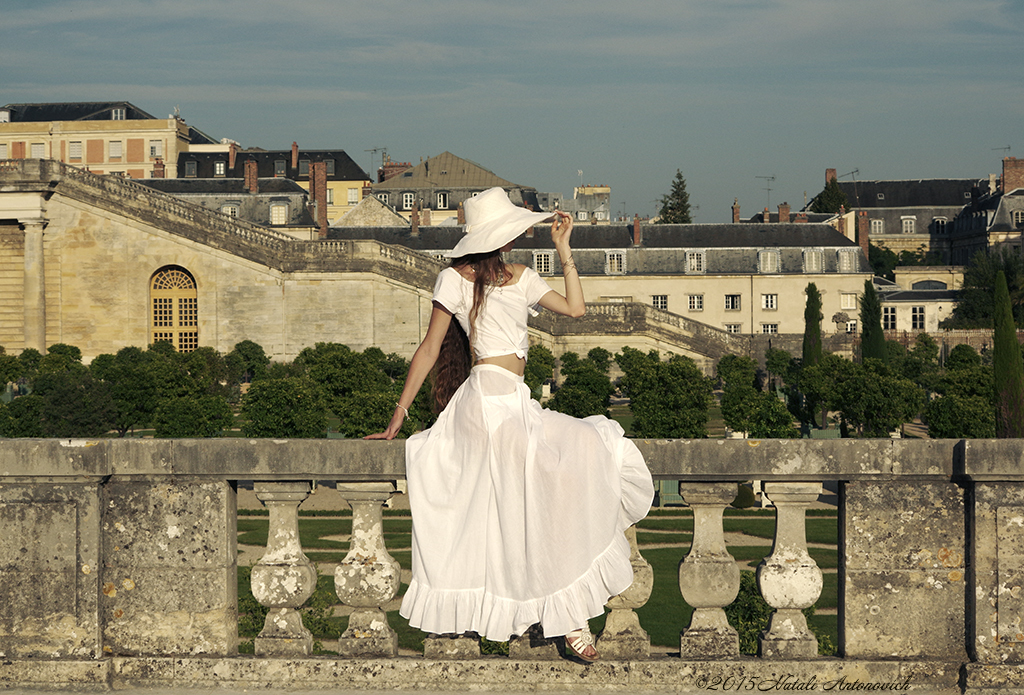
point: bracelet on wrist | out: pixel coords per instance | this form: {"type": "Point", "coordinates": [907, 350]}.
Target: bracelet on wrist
{"type": "Point", "coordinates": [404, 409]}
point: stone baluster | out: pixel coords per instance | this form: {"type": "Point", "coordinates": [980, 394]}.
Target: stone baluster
{"type": "Point", "coordinates": [789, 578]}
{"type": "Point", "coordinates": [284, 577]}
{"type": "Point", "coordinates": [622, 636]}
{"type": "Point", "coordinates": [708, 576]}
{"type": "Point", "coordinates": [368, 578]}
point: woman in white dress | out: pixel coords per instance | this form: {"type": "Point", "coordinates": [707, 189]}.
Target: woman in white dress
{"type": "Point", "coordinates": [518, 512]}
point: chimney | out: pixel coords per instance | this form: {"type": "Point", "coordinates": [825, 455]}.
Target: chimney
{"type": "Point", "coordinates": [637, 236]}
{"type": "Point", "coordinates": [318, 191]}
{"type": "Point", "coordinates": [295, 155]}
{"type": "Point", "coordinates": [829, 175]}
{"type": "Point", "coordinates": [1013, 174]}
{"type": "Point", "coordinates": [784, 213]}
{"type": "Point", "coordinates": [252, 176]}
{"type": "Point", "coordinates": [736, 211]}
{"type": "Point", "coordinates": [232, 153]}
{"type": "Point", "coordinates": [426, 217]}
{"type": "Point", "coordinates": [766, 216]}
{"type": "Point", "coordinates": [159, 169]}
{"type": "Point", "coordinates": [367, 191]}
{"type": "Point", "coordinates": [863, 224]}
{"type": "Point", "coordinates": [462, 215]}
{"type": "Point", "coordinates": [801, 218]}
{"type": "Point", "coordinates": [414, 218]}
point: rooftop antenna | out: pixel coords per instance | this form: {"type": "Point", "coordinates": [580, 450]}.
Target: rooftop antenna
{"type": "Point", "coordinates": [373, 153]}
{"type": "Point", "coordinates": [856, 196]}
{"type": "Point", "coordinates": [768, 187]}
{"type": "Point", "coordinates": [1001, 149]}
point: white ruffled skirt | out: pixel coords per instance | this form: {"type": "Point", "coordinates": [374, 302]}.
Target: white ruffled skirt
{"type": "Point", "coordinates": [518, 513]}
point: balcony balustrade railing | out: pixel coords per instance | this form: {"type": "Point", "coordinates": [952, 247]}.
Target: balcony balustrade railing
{"type": "Point", "coordinates": [119, 567]}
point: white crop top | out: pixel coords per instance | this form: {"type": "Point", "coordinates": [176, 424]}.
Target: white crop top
{"type": "Point", "coordinates": [501, 323]}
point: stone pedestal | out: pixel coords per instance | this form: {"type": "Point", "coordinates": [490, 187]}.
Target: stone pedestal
{"type": "Point", "coordinates": [789, 578]}
{"type": "Point", "coordinates": [622, 636]}
{"type": "Point", "coordinates": [284, 578]}
{"type": "Point", "coordinates": [532, 645]}
{"type": "Point", "coordinates": [368, 578]}
{"type": "Point", "coordinates": [708, 576]}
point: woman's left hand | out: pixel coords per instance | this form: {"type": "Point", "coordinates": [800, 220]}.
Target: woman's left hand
{"type": "Point", "coordinates": [393, 427]}
{"type": "Point", "coordinates": [561, 228]}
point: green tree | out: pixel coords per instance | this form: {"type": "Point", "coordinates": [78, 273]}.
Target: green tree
{"type": "Point", "coordinates": [74, 403]}
{"type": "Point", "coordinates": [872, 341]}
{"type": "Point", "coordinates": [540, 367]}
{"type": "Point", "coordinates": [830, 199]}
{"type": "Point", "coordinates": [668, 398]}
{"type": "Point", "coordinates": [876, 400]}
{"type": "Point", "coordinates": [192, 416]}
{"type": "Point", "coordinates": [675, 206]}
{"type": "Point", "coordinates": [779, 363]}
{"type": "Point", "coordinates": [247, 362]}
{"type": "Point", "coordinates": [1007, 366]}
{"type": "Point", "coordinates": [10, 368]}
{"type": "Point", "coordinates": [586, 389]}
{"type": "Point", "coordinates": [746, 408]}
{"type": "Point", "coordinates": [962, 357]}
{"type": "Point", "coordinates": [975, 305]}
{"type": "Point", "coordinates": [821, 383]}
{"type": "Point", "coordinates": [136, 379]}
{"type": "Point", "coordinates": [30, 359]}
{"type": "Point", "coordinates": [812, 349]}
{"type": "Point", "coordinates": [23, 417]}
{"type": "Point", "coordinates": [289, 408]}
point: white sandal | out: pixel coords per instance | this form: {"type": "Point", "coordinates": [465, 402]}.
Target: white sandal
{"type": "Point", "coordinates": [577, 642]}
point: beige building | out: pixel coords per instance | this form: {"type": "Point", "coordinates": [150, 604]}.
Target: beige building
{"type": "Point", "coordinates": [103, 263]}
{"type": "Point", "coordinates": [102, 137]}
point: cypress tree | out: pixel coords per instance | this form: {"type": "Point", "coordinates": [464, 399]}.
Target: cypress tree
{"type": "Point", "coordinates": [872, 341]}
{"type": "Point", "coordinates": [830, 199]}
{"type": "Point", "coordinates": [1007, 366]}
{"type": "Point", "coordinates": [812, 326]}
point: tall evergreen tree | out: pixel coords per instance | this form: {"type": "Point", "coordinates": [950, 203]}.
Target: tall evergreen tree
{"type": "Point", "coordinates": [1007, 367]}
{"type": "Point", "coordinates": [812, 326]}
{"type": "Point", "coordinates": [830, 199]}
{"type": "Point", "coordinates": [872, 341]}
{"type": "Point", "coordinates": [675, 207]}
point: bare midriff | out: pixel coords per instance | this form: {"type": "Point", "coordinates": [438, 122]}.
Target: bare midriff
{"type": "Point", "coordinates": [511, 362]}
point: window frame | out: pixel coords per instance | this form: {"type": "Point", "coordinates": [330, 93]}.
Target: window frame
{"type": "Point", "coordinates": [660, 301]}
{"type": "Point", "coordinates": [695, 302]}
{"type": "Point", "coordinates": [279, 210]}
{"type": "Point", "coordinates": [220, 168]}
{"type": "Point", "coordinates": [769, 329]}
{"type": "Point", "coordinates": [888, 318]}
{"type": "Point", "coordinates": [353, 196]}
{"type": "Point", "coordinates": [115, 150]}
{"type": "Point", "coordinates": [734, 299]}
{"type": "Point", "coordinates": [701, 258]}
{"type": "Point", "coordinates": [846, 261]}
{"type": "Point", "coordinates": [408, 200]}
{"type": "Point", "coordinates": [73, 146]}
{"type": "Point", "coordinates": [765, 259]}
{"type": "Point", "coordinates": [191, 168]}
{"type": "Point", "coordinates": [908, 224]}
{"type": "Point", "coordinates": [543, 262]}
{"type": "Point", "coordinates": [819, 257]}
{"type": "Point", "coordinates": [917, 318]}
{"type": "Point", "coordinates": [156, 149]}
{"type": "Point", "coordinates": [876, 226]}
{"type": "Point", "coordinates": [441, 200]}
{"type": "Point", "coordinates": [733, 327]}
{"type": "Point", "coordinates": [280, 168]}
{"type": "Point", "coordinates": [118, 114]}
{"type": "Point", "coordinates": [769, 302]}
{"type": "Point", "coordinates": [614, 262]}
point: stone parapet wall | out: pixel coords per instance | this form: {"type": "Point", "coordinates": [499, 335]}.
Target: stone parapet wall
{"type": "Point", "coordinates": [119, 570]}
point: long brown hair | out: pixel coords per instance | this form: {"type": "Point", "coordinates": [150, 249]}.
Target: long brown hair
{"type": "Point", "coordinates": [456, 355]}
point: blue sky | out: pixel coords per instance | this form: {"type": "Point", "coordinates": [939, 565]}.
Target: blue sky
{"type": "Point", "coordinates": [724, 90]}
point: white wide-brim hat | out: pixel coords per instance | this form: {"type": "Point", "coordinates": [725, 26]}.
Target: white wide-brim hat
{"type": "Point", "coordinates": [492, 220]}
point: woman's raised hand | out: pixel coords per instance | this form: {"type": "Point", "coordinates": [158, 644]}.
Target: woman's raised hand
{"type": "Point", "coordinates": [393, 427]}
{"type": "Point", "coordinates": [561, 228]}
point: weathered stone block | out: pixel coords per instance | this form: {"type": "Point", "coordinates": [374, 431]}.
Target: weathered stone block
{"type": "Point", "coordinates": [997, 573]}
{"type": "Point", "coordinates": [170, 580]}
{"type": "Point", "coordinates": [452, 647]}
{"type": "Point", "coordinates": [533, 646]}
{"type": "Point", "coordinates": [905, 584]}
{"type": "Point", "coordinates": [49, 569]}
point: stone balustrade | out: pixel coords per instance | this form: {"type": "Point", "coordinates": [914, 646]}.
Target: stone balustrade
{"type": "Point", "coordinates": [119, 570]}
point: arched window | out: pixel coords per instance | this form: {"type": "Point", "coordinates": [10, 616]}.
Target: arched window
{"type": "Point", "coordinates": [175, 308]}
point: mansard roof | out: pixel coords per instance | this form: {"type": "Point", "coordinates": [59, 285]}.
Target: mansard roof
{"type": "Point", "coordinates": [345, 169]}
{"type": "Point", "coordinates": [74, 111]}
{"type": "Point", "coordinates": [445, 171]}
{"type": "Point", "coordinates": [911, 193]}
{"type": "Point", "coordinates": [222, 186]}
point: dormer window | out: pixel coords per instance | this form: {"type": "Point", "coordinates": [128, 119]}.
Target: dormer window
{"type": "Point", "coordinates": [117, 114]}
{"type": "Point", "coordinates": [279, 168]}
{"type": "Point", "coordinates": [5, 115]}
{"type": "Point", "coordinates": [330, 166]}
{"type": "Point", "coordinates": [220, 168]}
{"type": "Point", "coordinates": [303, 167]}
{"type": "Point", "coordinates": [191, 169]}
{"type": "Point", "coordinates": [881, 196]}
